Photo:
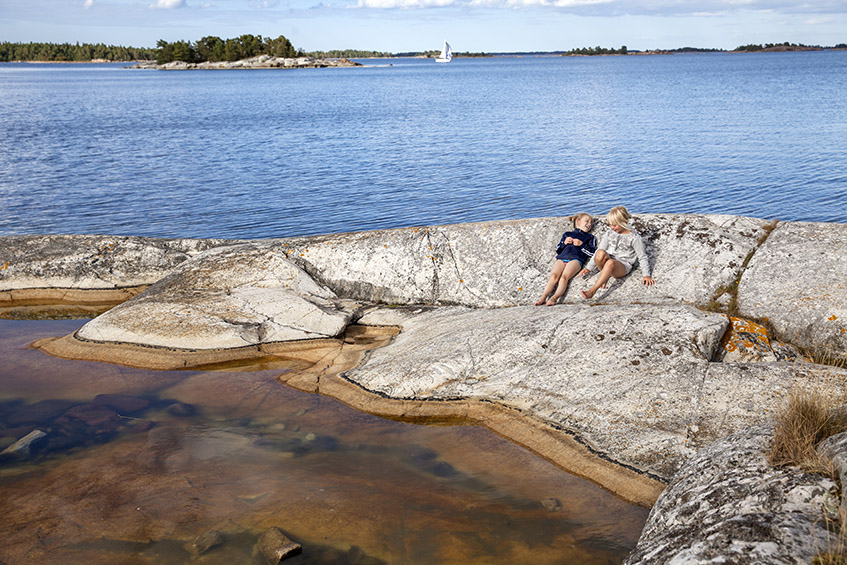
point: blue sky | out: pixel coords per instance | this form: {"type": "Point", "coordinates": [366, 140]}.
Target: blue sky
{"type": "Point", "coordinates": [415, 25]}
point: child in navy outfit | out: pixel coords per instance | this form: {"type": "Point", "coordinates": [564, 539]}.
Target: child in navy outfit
{"type": "Point", "coordinates": [575, 249]}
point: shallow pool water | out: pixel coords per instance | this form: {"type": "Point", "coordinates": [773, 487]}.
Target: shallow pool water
{"type": "Point", "coordinates": [136, 464]}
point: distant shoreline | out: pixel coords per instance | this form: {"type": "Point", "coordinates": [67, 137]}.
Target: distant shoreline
{"type": "Point", "coordinates": [683, 51]}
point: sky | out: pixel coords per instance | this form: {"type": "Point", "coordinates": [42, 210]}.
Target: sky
{"type": "Point", "coordinates": [418, 25]}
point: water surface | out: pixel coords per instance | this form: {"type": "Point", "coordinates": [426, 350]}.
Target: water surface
{"type": "Point", "coordinates": [237, 452]}
{"type": "Point", "coordinates": [273, 153]}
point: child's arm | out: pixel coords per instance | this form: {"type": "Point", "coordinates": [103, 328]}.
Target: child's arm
{"type": "Point", "coordinates": [562, 243]}
{"type": "Point", "coordinates": [643, 260]}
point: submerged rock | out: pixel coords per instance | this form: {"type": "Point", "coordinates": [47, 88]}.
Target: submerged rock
{"type": "Point", "coordinates": [22, 448]}
{"type": "Point", "coordinates": [205, 541]}
{"type": "Point", "coordinates": [275, 547]}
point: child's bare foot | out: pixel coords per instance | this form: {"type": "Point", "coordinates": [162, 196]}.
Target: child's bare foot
{"type": "Point", "coordinates": [586, 294]}
{"type": "Point", "coordinates": [551, 302]}
{"type": "Point", "coordinates": [541, 301]}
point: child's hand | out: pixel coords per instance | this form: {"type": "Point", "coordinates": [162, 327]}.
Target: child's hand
{"type": "Point", "coordinates": [648, 281]}
{"type": "Point", "coordinates": [584, 272]}
{"type": "Point", "coordinates": [577, 242]}
{"type": "Point", "coordinates": [568, 240]}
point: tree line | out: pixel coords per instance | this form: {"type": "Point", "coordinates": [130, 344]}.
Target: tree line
{"type": "Point", "coordinates": [761, 47]}
{"type": "Point", "coordinates": [596, 51]}
{"type": "Point", "coordinates": [72, 52]}
{"type": "Point", "coordinates": [215, 49]}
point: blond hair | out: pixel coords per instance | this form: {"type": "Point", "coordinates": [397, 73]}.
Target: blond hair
{"type": "Point", "coordinates": [618, 216]}
{"type": "Point", "coordinates": [579, 215]}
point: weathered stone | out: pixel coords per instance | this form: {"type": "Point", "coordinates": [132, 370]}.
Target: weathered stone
{"type": "Point", "coordinates": [205, 541]}
{"type": "Point", "coordinates": [728, 505]}
{"type": "Point", "coordinates": [89, 262]}
{"type": "Point", "coordinates": [258, 62]}
{"type": "Point", "coordinates": [798, 281]}
{"type": "Point", "coordinates": [552, 504]}
{"type": "Point", "coordinates": [22, 448]}
{"type": "Point", "coordinates": [275, 547]}
{"type": "Point", "coordinates": [746, 341]}
{"type": "Point", "coordinates": [635, 383]}
{"type": "Point", "coordinates": [88, 421]}
{"type": "Point", "coordinates": [507, 263]}
{"type": "Point", "coordinates": [227, 297]}
{"type": "Point", "coordinates": [834, 448]}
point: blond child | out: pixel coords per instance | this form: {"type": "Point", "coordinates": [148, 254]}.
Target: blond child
{"type": "Point", "coordinates": [618, 251]}
{"type": "Point", "coordinates": [574, 249]}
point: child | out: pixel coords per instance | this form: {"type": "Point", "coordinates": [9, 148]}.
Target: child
{"type": "Point", "coordinates": [618, 251]}
{"type": "Point", "coordinates": [573, 250]}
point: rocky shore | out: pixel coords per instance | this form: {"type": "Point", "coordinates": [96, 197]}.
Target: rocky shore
{"type": "Point", "coordinates": [258, 62]}
{"type": "Point", "coordinates": [633, 389]}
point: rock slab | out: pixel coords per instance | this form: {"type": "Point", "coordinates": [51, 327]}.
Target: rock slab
{"type": "Point", "coordinates": [798, 281]}
{"type": "Point", "coordinates": [634, 383]}
{"type": "Point", "coordinates": [228, 297]}
{"type": "Point", "coordinates": [728, 505]}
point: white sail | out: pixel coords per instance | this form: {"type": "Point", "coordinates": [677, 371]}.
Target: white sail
{"type": "Point", "coordinates": [446, 54]}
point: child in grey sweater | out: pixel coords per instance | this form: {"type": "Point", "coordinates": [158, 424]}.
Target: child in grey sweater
{"type": "Point", "coordinates": [618, 252]}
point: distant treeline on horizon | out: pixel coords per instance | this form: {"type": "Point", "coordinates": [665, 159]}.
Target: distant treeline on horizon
{"type": "Point", "coordinates": [215, 49]}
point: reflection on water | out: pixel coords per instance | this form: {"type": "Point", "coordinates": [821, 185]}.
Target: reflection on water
{"type": "Point", "coordinates": [134, 465]}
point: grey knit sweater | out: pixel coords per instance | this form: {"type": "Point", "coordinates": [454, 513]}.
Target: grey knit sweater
{"type": "Point", "coordinates": [626, 247]}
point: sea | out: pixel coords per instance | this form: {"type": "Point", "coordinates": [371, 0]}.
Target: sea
{"type": "Point", "coordinates": [105, 149]}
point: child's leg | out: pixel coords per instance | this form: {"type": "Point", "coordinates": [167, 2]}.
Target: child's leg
{"type": "Point", "coordinates": [611, 268]}
{"type": "Point", "coordinates": [570, 271]}
{"type": "Point", "coordinates": [558, 267]}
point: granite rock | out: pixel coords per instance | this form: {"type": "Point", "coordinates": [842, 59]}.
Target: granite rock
{"type": "Point", "coordinates": [91, 262]}
{"type": "Point", "coordinates": [228, 297]}
{"type": "Point", "coordinates": [728, 505]}
{"type": "Point", "coordinates": [797, 280]}
{"type": "Point", "coordinates": [507, 263]}
{"type": "Point", "coordinates": [635, 383]}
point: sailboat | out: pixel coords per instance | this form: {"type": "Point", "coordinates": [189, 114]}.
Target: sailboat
{"type": "Point", "coordinates": [446, 54]}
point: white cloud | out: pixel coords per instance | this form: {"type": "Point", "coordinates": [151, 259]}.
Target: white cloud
{"type": "Point", "coordinates": [88, 4]}
{"type": "Point", "coordinates": [630, 7]}
{"type": "Point", "coordinates": [404, 3]}
{"type": "Point", "coordinates": [169, 4]}
{"type": "Point", "coordinates": [818, 21]}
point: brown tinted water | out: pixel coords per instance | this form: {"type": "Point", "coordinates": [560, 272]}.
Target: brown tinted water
{"type": "Point", "coordinates": [121, 481]}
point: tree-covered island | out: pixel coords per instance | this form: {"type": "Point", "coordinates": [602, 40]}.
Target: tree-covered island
{"type": "Point", "coordinates": [215, 49]}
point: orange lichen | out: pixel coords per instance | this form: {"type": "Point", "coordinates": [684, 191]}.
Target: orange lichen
{"type": "Point", "coordinates": [745, 335]}
{"type": "Point", "coordinates": [832, 318]}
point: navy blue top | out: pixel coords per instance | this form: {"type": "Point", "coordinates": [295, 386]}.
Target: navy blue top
{"type": "Point", "coordinates": [581, 253]}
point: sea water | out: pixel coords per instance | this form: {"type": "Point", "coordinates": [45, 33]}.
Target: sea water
{"type": "Point", "coordinates": [400, 142]}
